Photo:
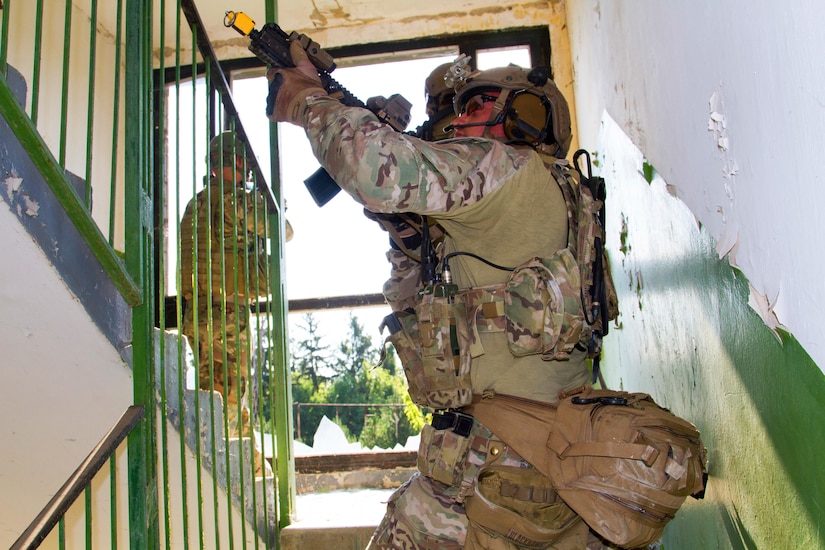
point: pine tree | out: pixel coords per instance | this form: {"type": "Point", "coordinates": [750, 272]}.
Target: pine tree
{"type": "Point", "coordinates": [356, 351]}
{"type": "Point", "coordinates": [309, 356]}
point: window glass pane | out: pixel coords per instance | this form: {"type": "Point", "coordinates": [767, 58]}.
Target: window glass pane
{"type": "Point", "coordinates": [499, 57]}
{"type": "Point", "coordinates": [185, 170]}
{"type": "Point", "coordinates": [336, 250]}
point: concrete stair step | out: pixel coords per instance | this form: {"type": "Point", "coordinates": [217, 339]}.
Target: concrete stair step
{"type": "Point", "coordinates": [202, 421]}
{"type": "Point", "coordinates": [296, 537]}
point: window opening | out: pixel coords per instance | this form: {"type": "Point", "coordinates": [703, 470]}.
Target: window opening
{"type": "Point", "coordinates": [498, 57]}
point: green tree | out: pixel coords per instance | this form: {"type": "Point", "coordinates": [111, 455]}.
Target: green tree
{"type": "Point", "coordinates": [311, 372]}
{"type": "Point", "coordinates": [361, 380]}
{"type": "Point", "coordinates": [351, 376]}
{"type": "Point", "coordinates": [386, 427]}
{"type": "Point", "coordinates": [355, 354]}
{"type": "Point", "coordinates": [310, 356]}
{"type": "Point", "coordinates": [356, 351]}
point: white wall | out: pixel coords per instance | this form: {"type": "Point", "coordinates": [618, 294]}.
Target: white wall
{"type": "Point", "coordinates": [64, 385]}
{"type": "Point", "coordinates": [727, 101]}
{"type": "Point", "coordinates": [50, 112]}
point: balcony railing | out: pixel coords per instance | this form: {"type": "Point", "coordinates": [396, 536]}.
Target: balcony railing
{"type": "Point", "coordinates": [106, 105]}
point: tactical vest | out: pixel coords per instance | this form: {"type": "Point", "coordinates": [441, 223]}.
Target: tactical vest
{"type": "Point", "coordinates": [549, 305]}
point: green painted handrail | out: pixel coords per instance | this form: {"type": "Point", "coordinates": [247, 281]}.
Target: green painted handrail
{"type": "Point", "coordinates": [55, 177]}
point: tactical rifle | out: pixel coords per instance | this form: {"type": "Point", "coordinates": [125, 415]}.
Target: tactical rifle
{"type": "Point", "coordinates": [271, 45]}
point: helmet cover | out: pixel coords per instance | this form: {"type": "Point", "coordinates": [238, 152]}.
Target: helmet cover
{"type": "Point", "coordinates": [225, 147]}
{"type": "Point", "coordinates": [439, 104]}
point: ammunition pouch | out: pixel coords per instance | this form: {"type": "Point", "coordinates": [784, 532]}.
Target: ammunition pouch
{"type": "Point", "coordinates": [444, 337]}
{"type": "Point", "coordinates": [455, 447]}
{"type": "Point", "coordinates": [403, 335]}
{"type": "Point", "coordinates": [507, 502]}
{"type": "Point", "coordinates": [538, 308]}
{"type": "Point", "coordinates": [433, 344]}
{"type": "Point", "coordinates": [516, 508]}
{"type": "Point", "coordinates": [542, 307]}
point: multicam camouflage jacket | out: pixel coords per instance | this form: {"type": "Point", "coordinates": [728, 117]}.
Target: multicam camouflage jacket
{"type": "Point", "coordinates": [494, 201]}
{"type": "Point", "coordinates": [230, 225]}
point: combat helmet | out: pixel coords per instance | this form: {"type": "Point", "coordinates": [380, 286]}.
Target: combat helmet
{"type": "Point", "coordinates": [439, 105]}
{"type": "Point", "coordinates": [225, 147]}
{"type": "Point", "coordinates": [529, 106]}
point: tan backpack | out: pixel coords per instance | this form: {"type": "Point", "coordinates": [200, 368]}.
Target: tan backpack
{"type": "Point", "coordinates": [624, 464]}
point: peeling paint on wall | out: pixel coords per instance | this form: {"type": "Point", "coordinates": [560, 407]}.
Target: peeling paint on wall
{"type": "Point", "coordinates": [12, 184]}
{"type": "Point", "coordinates": [32, 206]}
{"type": "Point", "coordinates": [764, 307]}
{"type": "Point", "coordinates": [22, 202]}
{"type": "Point", "coordinates": [718, 127]}
{"type": "Point", "coordinates": [728, 242]}
{"type": "Point", "coordinates": [324, 10]}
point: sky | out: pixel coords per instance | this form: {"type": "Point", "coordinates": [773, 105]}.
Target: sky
{"type": "Point", "coordinates": [336, 250]}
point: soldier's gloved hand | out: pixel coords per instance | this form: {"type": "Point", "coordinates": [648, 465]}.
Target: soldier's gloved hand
{"type": "Point", "coordinates": [290, 88]}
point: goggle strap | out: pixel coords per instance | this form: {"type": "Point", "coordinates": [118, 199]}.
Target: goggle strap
{"type": "Point", "coordinates": [499, 105]}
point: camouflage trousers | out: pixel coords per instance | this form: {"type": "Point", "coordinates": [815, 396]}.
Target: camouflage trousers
{"type": "Point", "coordinates": [472, 491]}
{"type": "Point", "coordinates": [223, 361]}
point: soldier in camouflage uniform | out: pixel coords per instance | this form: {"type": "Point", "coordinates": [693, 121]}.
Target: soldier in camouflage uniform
{"type": "Point", "coordinates": [494, 192]}
{"type": "Point", "coordinates": [223, 234]}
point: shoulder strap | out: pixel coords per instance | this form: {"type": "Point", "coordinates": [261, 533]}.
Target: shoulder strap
{"type": "Point", "coordinates": [405, 230]}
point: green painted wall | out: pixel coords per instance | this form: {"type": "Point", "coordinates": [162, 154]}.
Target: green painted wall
{"type": "Point", "coordinates": [687, 336]}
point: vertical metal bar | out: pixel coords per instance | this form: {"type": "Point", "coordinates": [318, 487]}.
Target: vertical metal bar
{"type": "Point", "coordinates": [38, 45]}
{"type": "Point", "coordinates": [160, 207]}
{"type": "Point", "coordinates": [87, 500]}
{"type": "Point", "coordinates": [196, 295]}
{"type": "Point", "coordinates": [4, 37]}
{"type": "Point", "coordinates": [210, 317]}
{"type": "Point", "coordinates": [283, 382]}
{"type": "Point", "coordinates": [255, 398]}
{"type": "Point", "coordinates": [262, 289]}
{"type": "Point", "coordinates": [142, 454]}
{"type": "Point", "coordinates": [179, 285]}
{"type": "Point", "coordinates": [115, 124]}
{"type": "Point", "coordinates": [252, 255]}
{"type": "Point", "coordinates": [61, 534]}
{"type": "Point", "coordinates": [236, 304]}
{"type": "Point", "coordinates": [241, 249]}
{"type": "Point", "coordinates": [90, 110]}
{"type": "Point", "coordinates": [64, 109]}
{"type": "Point", "coordinates": [113, 500]}
{"type": "Point", "coordinates": [222, 334]}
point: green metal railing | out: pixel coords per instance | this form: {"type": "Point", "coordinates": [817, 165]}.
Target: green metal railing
{"type": "Point", "coordinates": [80, 482]}
{"type": "Point", "coordinates": [24, 125]}
{"type": "Point", "coordinates": [189, 486]}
